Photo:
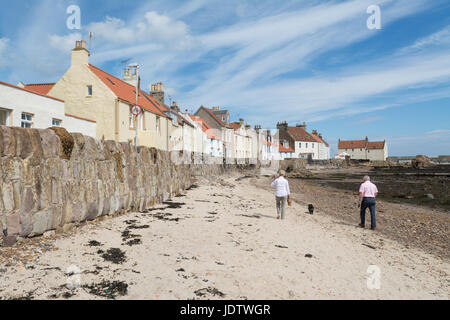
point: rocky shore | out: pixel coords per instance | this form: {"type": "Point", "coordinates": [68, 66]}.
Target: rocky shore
{"type": "Point", "coordinates": [422, 225]}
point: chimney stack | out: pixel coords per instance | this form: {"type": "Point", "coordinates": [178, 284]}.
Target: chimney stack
{"type": "Point", "coordinates": [157, 92]}
{"type": "Point", "coordinates": [315, 132]}
{"type": "Point", "coordinates": [130, 77]}
{"type": "Point", "coordinates": [282, 126]}
{"type": "Point", "coordinates": [80, 55]}
{"type": "Point", "coordinates": [175, 107]}
{"type": "Point", "coordinates": [302, 125]}
{"type": "Point", "coordinates": [241, 121]}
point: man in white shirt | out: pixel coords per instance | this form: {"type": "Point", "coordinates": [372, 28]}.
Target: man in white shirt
{"type": "Point", "coordinates": [282, 193]}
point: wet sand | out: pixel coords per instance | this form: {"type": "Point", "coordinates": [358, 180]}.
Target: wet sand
{"type": "Point", "coordinates": [414, 225]}
{"type": "Point", "coordinates": [221, 241]}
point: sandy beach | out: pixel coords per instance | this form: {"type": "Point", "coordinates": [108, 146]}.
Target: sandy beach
{"type": "Point", "coordinates": [220, 241]}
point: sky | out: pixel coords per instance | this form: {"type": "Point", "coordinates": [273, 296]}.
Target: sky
{"type": "Point", "coordinates": [265, 61]}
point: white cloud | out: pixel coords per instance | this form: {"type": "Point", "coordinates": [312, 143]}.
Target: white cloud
{"type": "Point", "coordinates": [270, 47]}
{"type": "Point", "coordinates": [438, 39]}
{"type": "Point", "coordinates": [64, 43]}
{"type": "Point", "coordinates": [154, 28]}
{"type": "Point", "coordinates": [4, 44]}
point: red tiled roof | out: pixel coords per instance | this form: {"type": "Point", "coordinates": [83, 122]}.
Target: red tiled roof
{"type": "Point", "coordinates": [40, 88]}
{"type": "Point", "coordinates": [285, 150]}
{"type": "Point", "coordinates": [126, 91]}
{"type": "Point", "coordinates": [214, 116]}
{"type": "Point", "coordinates": [300, 134]}
{"type": "Point", "coordinates": [352, 144]}
{"type": "Point", "coordinates": [205, 127]}
{"type": "Point", "coordinates": [376, 145]}
{"type": "Point", "coordinates": [235, 125]}
{"type": "Point", "coordinates": [155, 102]}
{"type": "Point", "coordinates": [30, 91]}
{"type": "Point", "coordinates": [318, 139]}
{"type": "Point", "coordinates": [77, 117]}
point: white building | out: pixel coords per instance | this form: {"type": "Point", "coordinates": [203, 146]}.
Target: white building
{"type": "Point", "coordinates": [285, 151]}
{"type": "Point", "coordinates": [364, 149]}
{"type": "Point", "coordinates": [304, 144]}
{"type": "Point", "coordinates": [267, 149]}
{"type": "Point", "coordinates": [20, 107]}
{"type": "Point", "coordinates": [212, 144]}
{"type": "Point", "coordinates": [243, 144]}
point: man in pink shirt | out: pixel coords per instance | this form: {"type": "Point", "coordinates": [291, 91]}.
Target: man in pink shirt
{"type": "Point", "coordinates": [367, 195]}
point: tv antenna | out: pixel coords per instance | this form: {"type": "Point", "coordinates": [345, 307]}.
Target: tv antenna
{"type": "Point", "coordinates": [91, 37]}
{"type": "Point", "coordinates": [125, 63]}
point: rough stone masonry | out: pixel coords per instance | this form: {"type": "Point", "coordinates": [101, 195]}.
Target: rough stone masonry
{"type": "Point", "coordinates": [52, 180]}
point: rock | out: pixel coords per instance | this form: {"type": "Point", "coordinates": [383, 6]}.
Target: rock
{"type": "Point", "coordinates": [67, 142]}
{"type": "Point", "coordinates": [9, 241]}
{"type": "Point", "coordinates": [420, 162]}
{"type": "Point", "coordinates": [8, 142]}
{"type": "Point", "coordinates": [429, 196]}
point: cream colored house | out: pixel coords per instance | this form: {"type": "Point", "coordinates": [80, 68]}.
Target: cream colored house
{"type": "Point", "coordinates": [92, 93]}
{"type": "Point", "coordinates": [245, 141]}
{"type": "Point", "coordinates": [364, 149]}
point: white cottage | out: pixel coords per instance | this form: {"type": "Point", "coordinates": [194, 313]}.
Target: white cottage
{"type": "Point", "coordinates": [21, 107]}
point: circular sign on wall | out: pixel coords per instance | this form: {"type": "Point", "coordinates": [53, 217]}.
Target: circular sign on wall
{"type": "Point", "coordinates": [136, 110]}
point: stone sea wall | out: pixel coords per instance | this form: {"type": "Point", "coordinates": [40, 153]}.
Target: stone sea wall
{"type": "Point", "coordinates": [53, 180]}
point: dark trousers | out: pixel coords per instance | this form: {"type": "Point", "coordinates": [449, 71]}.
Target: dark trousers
{"type": "Point", "coordinates": [368, 203]}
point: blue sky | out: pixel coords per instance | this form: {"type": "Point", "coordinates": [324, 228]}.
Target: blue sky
{"type": "Point", "coordinates": [266, 61]}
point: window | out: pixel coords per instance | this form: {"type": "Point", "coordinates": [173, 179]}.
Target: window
{"type": "Point", "coordinates": [4, 117]}
{"type": "Point", "coordinates": [306, 145]}
{"type": "Point", "coordinates": [56, 123]}
{"type": "Point", "coordinates": [89, 91]}
{"type": "Point", "coordinates": [313, 145]}
{"type": "Point", "coordinates": [27, 120]}
{"type": "Point", "coordinates": [131, 120]}
{"type": "Point", "coordinates": [300, 145]}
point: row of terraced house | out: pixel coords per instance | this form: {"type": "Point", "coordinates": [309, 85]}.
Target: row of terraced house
{"type": "Point", "coordinates": [91, 101]}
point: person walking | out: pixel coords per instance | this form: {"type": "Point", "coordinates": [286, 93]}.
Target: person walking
{"type": "Point", "coordinates": [282, 193]}
{"type": "Point", "coordinates": [367, 195]}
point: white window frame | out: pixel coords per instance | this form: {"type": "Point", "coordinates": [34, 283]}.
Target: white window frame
{"type": "Point", "coordinates": [53, 122]}
{"type": "Point", "coordinates": [26, 121]}
{"type": "Point", "coordinates": [8, 116]}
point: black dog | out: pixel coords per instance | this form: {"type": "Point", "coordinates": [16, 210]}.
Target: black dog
{"type": "Point", "coordinates": [311, 209]}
